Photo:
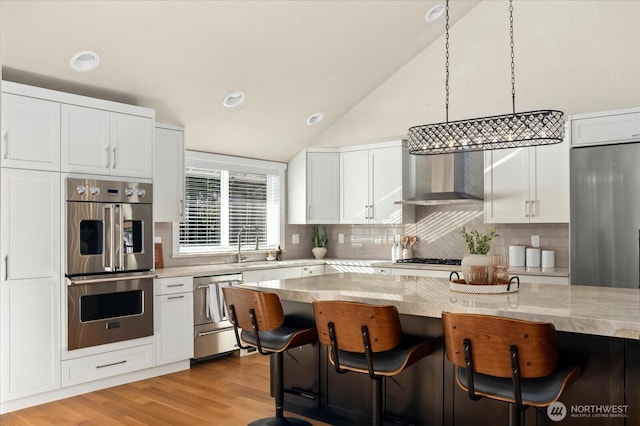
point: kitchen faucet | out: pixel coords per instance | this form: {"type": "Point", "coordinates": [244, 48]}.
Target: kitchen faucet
{"type": "Point", "coordinates": [240, 234]}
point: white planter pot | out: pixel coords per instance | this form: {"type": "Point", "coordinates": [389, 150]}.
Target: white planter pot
{"type": "Point", "coordinates": [476, 260]}
{"type": "Point", "coordinates": [319, 252]}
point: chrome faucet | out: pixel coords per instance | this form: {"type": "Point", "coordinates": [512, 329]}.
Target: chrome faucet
{"type": "Point", "coordinates": [240, 234]}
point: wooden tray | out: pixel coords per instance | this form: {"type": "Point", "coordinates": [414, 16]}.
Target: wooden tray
{"type": "Point", "coordinates": [461, 286]}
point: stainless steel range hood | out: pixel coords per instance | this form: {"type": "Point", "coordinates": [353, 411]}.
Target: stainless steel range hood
{"type": "Point", "coordinates": [449, 180]}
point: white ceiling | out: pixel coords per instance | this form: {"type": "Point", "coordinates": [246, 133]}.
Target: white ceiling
{"type": "Point", "coordinates": [291, 58]}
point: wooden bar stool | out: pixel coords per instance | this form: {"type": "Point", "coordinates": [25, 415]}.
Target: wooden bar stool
{"type": "Point", "coordinates": [266, 328]}
{"type": "Point", "coordinates": [506, 359]}
{"type": "Point", "coordinates": [367, 339]}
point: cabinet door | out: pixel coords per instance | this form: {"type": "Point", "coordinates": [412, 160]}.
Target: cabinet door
{"type": "Point", "coordinates": [323, 187]}
{"type": "Point", "coordinates": [173, 327]}
{"type": "Point", "coordinates": [354, 188]}
{"type": "Point", "coordinates": [85, 140]}
{"type": "Point", "coordinates": [30, 133]}
{"type": "Point", "coordinates": [131, 146]}
{"type": "Point", "coordinates": [606, 129]}
{"type": "Point", "coordinates": [386, 184]}
{"type": "Point", "coordinates": [168, 175]}
{"type": "Point", "coordinates": [30, 283]}
{"type": "Point", "coordinates": [506, 183]}
{"type": "Point", "coordinates": [550, 193]}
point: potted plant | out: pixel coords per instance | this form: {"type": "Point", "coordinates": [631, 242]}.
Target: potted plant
{"type": "Point", "coordinates": [319, 249]}
{"type": "Point", "coordinates": [478, 245]}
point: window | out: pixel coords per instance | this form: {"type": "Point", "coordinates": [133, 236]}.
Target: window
{"type": "Point", "coordinates": [224, 195]}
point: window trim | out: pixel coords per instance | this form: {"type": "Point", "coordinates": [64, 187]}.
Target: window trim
{"type": "Point", "coordinates": [207, 160]}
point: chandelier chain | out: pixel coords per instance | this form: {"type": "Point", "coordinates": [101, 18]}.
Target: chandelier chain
{"type": "Point", "coordinates": [447, 61]}
{"type": "Point", "coordinates": [513, 66]}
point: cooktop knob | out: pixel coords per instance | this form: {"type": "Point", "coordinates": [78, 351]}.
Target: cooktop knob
{"type": "Point", "coordinates": [94, 190]}
{"type": "Point", "coordinates": [128, 192]}
{"type": "Point", "coordinates": [81, 189]}
{"type": "Point", "coordinates": [140, 192]}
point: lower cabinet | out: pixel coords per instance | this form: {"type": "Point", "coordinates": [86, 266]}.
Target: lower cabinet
{"type": "Point", "coordinates": [100, 366]}
{"type": "Point", "coordinates": [308, 271]}
{"type": "Point", "coordinates": [271, 274]}
{"type": "Point", "coordinates": [173, 319]}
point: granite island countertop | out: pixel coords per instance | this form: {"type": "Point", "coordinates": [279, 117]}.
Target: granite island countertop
{"type": "Point", "coordinates": [604, 311]}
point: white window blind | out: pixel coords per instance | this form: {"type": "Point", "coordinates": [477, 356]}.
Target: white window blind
{"type": "Point", "coordinates": [224, 197]}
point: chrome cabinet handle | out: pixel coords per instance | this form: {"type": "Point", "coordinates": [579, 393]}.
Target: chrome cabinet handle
{"type": "Point", "coordinates": [527, 209]}
{"type": "Point", "coordinates": [114, 158]}
{"type": "Point", "coordinates": [175, 297]}
{"type": "Point", "coordinates": [112, 364]}
{"type": "Point", "coordinates": [108, 158]}
{"type": "Point", "coordinates": [180, 208]}
{"type": "Point", "coordinates": [6, 268]}
{"type": "Point", "coordinates": [635, 135]}
{"type": "Point", "coordinates": [175, 285]}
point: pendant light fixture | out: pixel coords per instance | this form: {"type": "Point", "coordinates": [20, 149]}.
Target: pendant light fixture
{"type": "Point", "coordinates": [533, 128]}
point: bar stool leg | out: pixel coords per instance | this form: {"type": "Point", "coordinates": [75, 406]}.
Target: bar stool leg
{"type": "Point", "coordinates": [277, 381]}
{"type": "Point", "coordinates": [377, 402]}
{"type": "Point", "coordinates": [516, 417]}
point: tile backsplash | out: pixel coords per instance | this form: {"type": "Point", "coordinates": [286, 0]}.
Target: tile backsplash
{"type": "Point", "coordinates": [437, 229]}
{"type": "Point", "coordinates": [438, 232]}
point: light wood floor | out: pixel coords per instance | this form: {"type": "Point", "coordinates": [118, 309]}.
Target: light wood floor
{"type": "Point", "coordinates": [229, 391]}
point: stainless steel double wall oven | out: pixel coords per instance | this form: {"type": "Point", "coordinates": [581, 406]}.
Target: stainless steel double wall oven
{"type": "Point", "coordinates": [109, 261]}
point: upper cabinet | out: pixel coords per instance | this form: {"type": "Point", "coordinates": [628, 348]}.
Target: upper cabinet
{"type": "Point", "coordinates": [49, 130]}
{"type": "Point", "coordinates": [168, 173]}
{"type": "Point", "coordinates": [313, 184]}
{"type": "Point", "coordinates": [527, 185]}
{"type": "Point", "coordinates": [30, 133]}
{"type": "Point", "coordinates": [107, 143]}
{"type": "Point", "coordinates": [372, 179]}
{"type": "Point", "coordinates": [605, 127]}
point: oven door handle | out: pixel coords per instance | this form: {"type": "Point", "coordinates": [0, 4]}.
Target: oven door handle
{"type": "Point", "coordinates": [107, 255]}
{"type": "Point", "coordinates": [103, 279]}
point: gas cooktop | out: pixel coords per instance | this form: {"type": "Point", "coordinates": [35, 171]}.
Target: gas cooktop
{"type": "Point", "coordinates": [431, 261]}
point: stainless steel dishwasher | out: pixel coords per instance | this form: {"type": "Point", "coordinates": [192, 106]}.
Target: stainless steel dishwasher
{"type": "Point", "coordinates": [213, 332]}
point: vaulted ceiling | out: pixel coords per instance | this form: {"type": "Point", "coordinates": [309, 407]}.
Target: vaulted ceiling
{"type": "Point", "coordinates": [290, 58]}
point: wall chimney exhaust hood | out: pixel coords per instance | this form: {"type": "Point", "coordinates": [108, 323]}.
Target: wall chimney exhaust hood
{"type": "Point", "coordinates": [447, 183]}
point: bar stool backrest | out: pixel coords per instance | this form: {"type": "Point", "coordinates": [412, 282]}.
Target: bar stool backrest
{"type": "Point", "coordinates": [490, 338]}
{"type": "Point", "coordinates": [348, 318]}
{"type": "Point", "coordinates": [266, 306]}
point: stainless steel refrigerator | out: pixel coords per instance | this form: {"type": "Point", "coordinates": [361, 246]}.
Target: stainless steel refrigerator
{"type": "Point", "coordinates": [605, 215]}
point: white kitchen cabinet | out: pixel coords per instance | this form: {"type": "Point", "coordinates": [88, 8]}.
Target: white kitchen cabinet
{"type": "Point", "coordinates": [168, 173]}
{"type": "Point", "coordinates": [107, 364]}
{"type": "Point", "coordinates": [314, 187]}
{"type": "Point", "coordinates": [605, 127]}
{"type": "Point", "coordinates": [106, 143]}
{"type": "Point", "coordinates": [372, 180]}
{"type": "Point", "coordinates": [30, 282]}
{"type": "Point", "coordinates": [30, 133]}
{"type": "Point", "coordinates": [173, 319]}
{"type": "Point", "coordinates": [527, 185]}
{"type": "Point", "coordinates": [312, 270]}
{"type": "Point", "coordinates": [252, 276]}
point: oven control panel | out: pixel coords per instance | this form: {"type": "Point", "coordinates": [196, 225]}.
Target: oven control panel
{"type": "Point", "coordinates": [108, 191]}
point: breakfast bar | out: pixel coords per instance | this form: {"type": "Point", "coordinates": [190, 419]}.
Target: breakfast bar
{"type": "Point", "coordinates": [598, 328]}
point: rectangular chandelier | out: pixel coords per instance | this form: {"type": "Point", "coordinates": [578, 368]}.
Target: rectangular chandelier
{"type": "Point", "coordinates": [533, 128]}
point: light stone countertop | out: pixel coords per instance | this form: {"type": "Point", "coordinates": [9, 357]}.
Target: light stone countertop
{"type": "Point", "coordinates": [235, 268]}
{"type": "Point", "coordinates": [603, 311]}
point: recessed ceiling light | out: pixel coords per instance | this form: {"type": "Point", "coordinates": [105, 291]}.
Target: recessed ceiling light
{"type": "Point", "coordinates": [315, 118]}
{"type": "Point", "coordinates": [434, 13]}
{"type": "Point", "coordinates": [233, 99]}
{"type": "Point", "coordinates": [84, 61]}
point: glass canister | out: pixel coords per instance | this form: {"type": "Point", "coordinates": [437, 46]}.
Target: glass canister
{"type": "Point", "coordinates": [500, 265]}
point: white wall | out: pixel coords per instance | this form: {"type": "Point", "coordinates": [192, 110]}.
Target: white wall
{"type": "Point", "coordinates": [575, 56]}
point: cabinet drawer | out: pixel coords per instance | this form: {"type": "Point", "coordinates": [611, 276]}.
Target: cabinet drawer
{"type": "Point", "coordinates": [172, 285]}
{"type": "Point", "coordinates": [603, 129]}
{"type": "Point", "coordinates": [95, 367]}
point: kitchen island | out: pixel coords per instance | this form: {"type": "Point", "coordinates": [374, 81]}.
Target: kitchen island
{"type": "Point", "coordinates": [598, 328]}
